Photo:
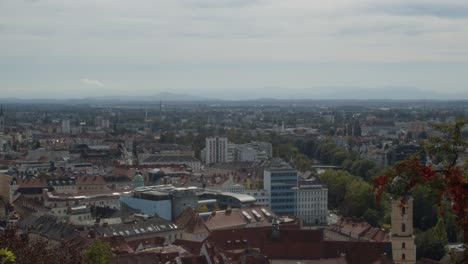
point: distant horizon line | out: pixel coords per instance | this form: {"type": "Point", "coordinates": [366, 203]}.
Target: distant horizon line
{"type": "Point", "coordinates": [135, 99]}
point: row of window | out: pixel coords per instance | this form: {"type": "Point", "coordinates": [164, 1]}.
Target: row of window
{"type": "Point", "coordinates": [312, 192]}
{"type": "Point", "coordinates": [283, 174]}
{"type": "Point", "coordinates": [311, 205]}
{"type": "Point", "coordinates": [84, 218]}
{"type": "Point", "coordinates": [311, 199]}
{"type": "Point", "coordinates": [282, 194]}
{"type": "Point", "coordinates": [274, 207]}
{"type": "Point", "coordinates": [312, 212]}
{"type": "Point", "coordinates": [282, 200]}
{"type": "Point", "coordinates": [285, 186]}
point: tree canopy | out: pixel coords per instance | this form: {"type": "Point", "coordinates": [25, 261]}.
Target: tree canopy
{"type": "Point", "coordinates": [98, 252]}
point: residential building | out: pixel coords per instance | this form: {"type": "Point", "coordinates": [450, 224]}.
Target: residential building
{"type": "Point", "coordinates": [102, 199]}
{"type": "Point", "coordinates": [231, 152]}
{"type": "Point", "coordinates": [160, 160]}
{"type": "Point", "coordinates": [66, 126]}
{"type": "Point", "coordinates": [216, 150]}
{"type": "Point", "coordinates": [311, 202]}
{"type": "Point", "coordinates": [402, 152]}
{"type": "Point", "coordinates": [246, 153]}
{"type": "Point", "coordinates": [255, 216]}
{"type": "Point", "coordinates": [278, 180]}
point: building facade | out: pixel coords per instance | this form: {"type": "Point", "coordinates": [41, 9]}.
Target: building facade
{"type": "Point", "coordinates": [312, 202]}
{"type": "Point", "coordinates": [403, 247]}
{"type": "Point", "coordinates": [216, 150]}
{"type": "Point", "coordinates": [262, 197]}
{"type": "Point", "coordinates": [66, 126]}
{"type": "Point", "coordinates": [279, 180]}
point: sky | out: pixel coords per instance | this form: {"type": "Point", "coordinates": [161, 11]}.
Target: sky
{"type": "Point", "coordinates": [235, 49]}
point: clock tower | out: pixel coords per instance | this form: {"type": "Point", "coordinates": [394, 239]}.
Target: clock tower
{"type": "Point", "coordinates": [403, 247]}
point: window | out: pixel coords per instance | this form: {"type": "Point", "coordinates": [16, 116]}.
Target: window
{"type": "Point", "coordinates": [403, 245]}
{"type": "Point", "coordinates": [403, 210]}
{"type": "Point", "coordinates": [403, 227]}
{"type": "Point", "coordinates": [403, 257]}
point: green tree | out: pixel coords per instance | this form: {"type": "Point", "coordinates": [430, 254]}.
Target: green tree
{"type": "Point", "coordinates": [429, 247]}
{"type": "Point", "coordinates": [424, 209]}
{"type": "Point", "coordinates": [357, 200]}
{"type": "Point", "coordinates": [336, 182]}
{"type": "Point", "coordinates": [439, 233]}
{"type": "Point", "coordinates": [99, 252]}
{"type": "Point", "coordinates": [6, 256]}
{"type": "Point", "coordinates": [447, 180]}
{"type": "Point", "coordinates": [203, 208]}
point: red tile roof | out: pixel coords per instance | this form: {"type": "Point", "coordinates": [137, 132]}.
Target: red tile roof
{"type": "Point", "coordinates": [249, 216]}
{"type": "Point", "coordinates": [294, 243]}
{"type": "Point", "coordinates": [189, 245]}
{"type": "Point", "coordinates": [90, 180]}
{"type": "Point", "coordinates": [31, 183]}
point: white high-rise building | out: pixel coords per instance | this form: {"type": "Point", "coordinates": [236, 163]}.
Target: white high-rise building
{"type": "Point", "coordinates": [312, 202]}
{"type": "Point", "coordinates": [66, 126]}
{"type": "Point", "coordinates": [216, 150]}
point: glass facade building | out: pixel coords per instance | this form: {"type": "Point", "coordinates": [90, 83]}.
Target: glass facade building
{"type": "Point", "coordinates": [279, 179]}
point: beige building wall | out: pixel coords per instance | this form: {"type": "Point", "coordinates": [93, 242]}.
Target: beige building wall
{"type": "Point", "coordinates": [403, 247]}
{"type": "Point", "coordinates": [5, 187]}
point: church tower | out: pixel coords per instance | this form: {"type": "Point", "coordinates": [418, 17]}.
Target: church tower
{"type": "Point", "coordinates": [2, 120]}
{"type": "Point", "coordinates": [403, 247]}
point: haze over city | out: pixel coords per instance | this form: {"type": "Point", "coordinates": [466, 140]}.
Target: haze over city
{"type": "Point", "coordinates": [233, 131]}
{"type": "Point", "coordinates": [235, 49]}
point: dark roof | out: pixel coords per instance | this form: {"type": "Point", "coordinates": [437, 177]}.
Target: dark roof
{"type": "Point", "coordinates": [47, 226]}
{"type": "Point", "coordinates": [191, 246]}
{"type": "Point", "coordinates": [90, 180]}
{"type": "Point", "coordinates": [61, 182]}
{"type": "Point", "coordinates": [294, 243]}
{"type": "Point", "coordinates": [137, 227]}
{"type": "Point", "coordinates": [170, 159]}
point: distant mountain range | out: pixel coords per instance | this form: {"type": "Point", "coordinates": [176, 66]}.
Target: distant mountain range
{"type": "Point", "coordinates": [394, 94]}
{"type": "Point", "coordinates": [173, 97]}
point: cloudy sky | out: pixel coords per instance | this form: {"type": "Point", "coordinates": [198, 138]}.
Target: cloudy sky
{"type": "Point", "coordinates": [234, 49]}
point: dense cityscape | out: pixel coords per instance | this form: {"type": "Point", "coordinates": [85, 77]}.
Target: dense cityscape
{"type": "Point", "coordinates": [260, 181]}
{"type": "Point", "coordinates": [233, 132]}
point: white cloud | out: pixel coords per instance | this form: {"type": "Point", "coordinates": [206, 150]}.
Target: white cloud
{"type": "Point", "coordinates": [91, 82]}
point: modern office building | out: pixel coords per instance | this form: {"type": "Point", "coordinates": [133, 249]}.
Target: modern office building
{"type": "Point", "coordinates": [279, 179]}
